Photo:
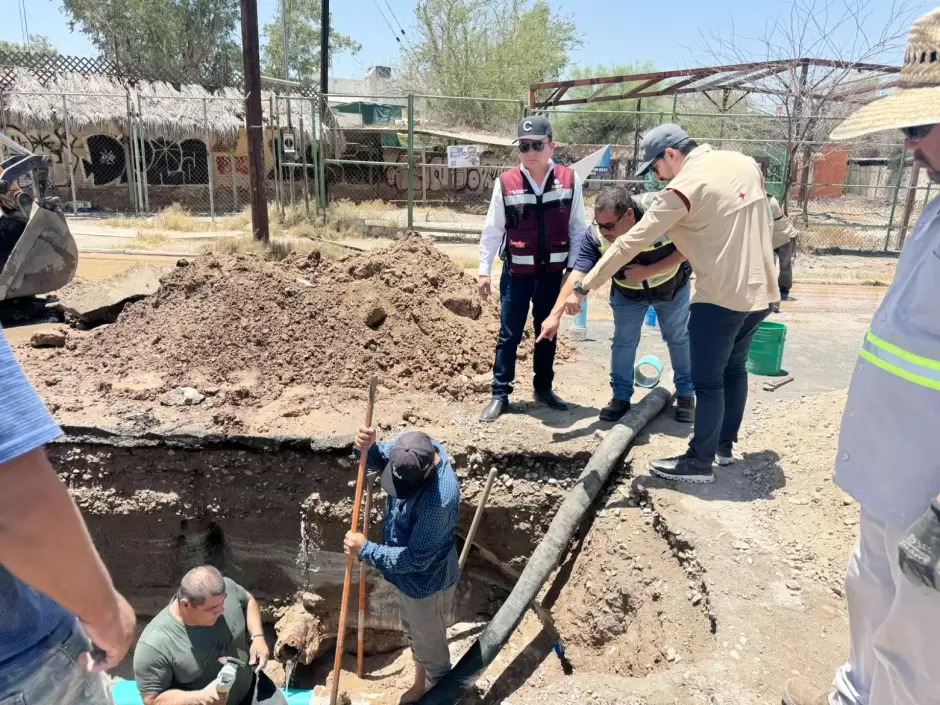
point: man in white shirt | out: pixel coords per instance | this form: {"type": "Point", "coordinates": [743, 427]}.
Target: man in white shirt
{"type": "Point", "coordinates": [536, 223]}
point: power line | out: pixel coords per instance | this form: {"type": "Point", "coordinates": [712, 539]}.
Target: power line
{"type": "Point", "coordinates": [395, 18]}
{"type": "Point", "coordinates": [389, 24]}
{"type": "Point", "coordinates": [24, 24]}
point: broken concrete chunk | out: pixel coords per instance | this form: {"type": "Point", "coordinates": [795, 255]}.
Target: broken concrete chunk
{"type": "Point", "coordinates": [183, 396]}
{"type": "Point", "coordinates": [92, 303]}
{"type": "Point", "coordinates": [48, 339]}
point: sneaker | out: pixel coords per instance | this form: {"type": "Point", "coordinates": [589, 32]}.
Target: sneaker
{"type": "Point", "coordinates": [799, 692]}
{"type": "Point", "coordinates": [685, 409]}
{"type": "Point", "coordinates": [724, 459]}
{"type": "Point", "coordinates": [775, 307]}
{"type": "Point", "coordinates": [615, 410]}
{"type": "Point", "coordinates": [682, 469]}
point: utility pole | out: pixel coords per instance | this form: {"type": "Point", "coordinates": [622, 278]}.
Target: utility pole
{"type": "Point", "coordinates": [254, 122]}
{"type": "Point", "coordinates": [324, 51]}
{"type": "Point", "coordinates": [284, 25]}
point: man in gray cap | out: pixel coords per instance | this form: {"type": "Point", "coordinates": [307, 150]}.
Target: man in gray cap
{"type": "Point", "coordinates": [535, 223]}
{"type": "Point", "coordinates": [417, 555]}
{"type": "Point", "coordinates": [716, 213]}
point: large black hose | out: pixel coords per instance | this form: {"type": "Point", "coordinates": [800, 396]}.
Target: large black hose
{"type": "Point", "coordinates": [548, 553]}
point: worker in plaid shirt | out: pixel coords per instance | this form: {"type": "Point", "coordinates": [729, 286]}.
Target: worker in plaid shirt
{"type": "Point", "coordinates": [417, 554]}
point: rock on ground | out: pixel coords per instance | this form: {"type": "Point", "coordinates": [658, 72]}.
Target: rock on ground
{"type": "Point", "coordinates": [48, 339]}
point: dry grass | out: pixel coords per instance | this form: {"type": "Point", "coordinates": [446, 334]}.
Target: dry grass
{"type": "Point", "coordinates": [145, 240]}
{"type": "Point", "coordinates": [174, 219]}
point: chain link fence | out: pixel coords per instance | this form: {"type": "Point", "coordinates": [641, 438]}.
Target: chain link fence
{"type": "Point", "coordinates": [380, 164]}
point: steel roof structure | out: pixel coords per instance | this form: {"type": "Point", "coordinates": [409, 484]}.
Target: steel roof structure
{"type": "Point", "coordinates": [755, 77]}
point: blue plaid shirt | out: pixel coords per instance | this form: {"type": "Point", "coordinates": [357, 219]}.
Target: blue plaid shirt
{"type": "Point", "coordinates": [417, 554]}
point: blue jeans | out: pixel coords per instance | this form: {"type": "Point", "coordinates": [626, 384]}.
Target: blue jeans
{"type": "Point", "coordinates": [673, 317]}
{"type": "Point", "coordinates": [720, 339]}
{"type": "Point", "coordinates": [55, 677]}
{"type": "Point", "coordinates": [515, 295]}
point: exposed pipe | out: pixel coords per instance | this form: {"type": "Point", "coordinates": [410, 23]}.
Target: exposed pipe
{"type": "Point", "coordinates": [548, 554]}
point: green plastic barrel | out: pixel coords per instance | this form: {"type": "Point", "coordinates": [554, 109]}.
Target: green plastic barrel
{"type": "Point", "coordinates": [765, 356]}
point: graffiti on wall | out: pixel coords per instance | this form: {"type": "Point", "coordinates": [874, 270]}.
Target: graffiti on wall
{"type": "Point", "coordinates": [166, 162]}
{"type": "Point", "coordinates": [52, 144]}
{"type": "Point", "coordinates": [440, 177]}
{"type": "Point", "coordinates": [101, 159]}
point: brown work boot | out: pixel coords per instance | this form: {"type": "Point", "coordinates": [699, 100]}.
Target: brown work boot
{"type": "Point", "coordinates": [798, 692]}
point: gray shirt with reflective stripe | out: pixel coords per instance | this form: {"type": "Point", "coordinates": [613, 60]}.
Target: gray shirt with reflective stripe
{"type": "Point", "coordinates": [888, 456]}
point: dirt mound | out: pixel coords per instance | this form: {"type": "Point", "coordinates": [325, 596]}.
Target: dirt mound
{"type": "Point", "coordinates": [226, 323]}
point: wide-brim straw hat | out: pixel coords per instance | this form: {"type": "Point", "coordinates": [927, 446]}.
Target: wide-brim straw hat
{"type": "Point", "coordinates": [916, 100]}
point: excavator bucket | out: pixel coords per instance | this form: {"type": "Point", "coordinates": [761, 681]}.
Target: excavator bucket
{"type": "Point", "coordinates": [37, 252]}
{"type": "Point", "coordinates": [42, 255]}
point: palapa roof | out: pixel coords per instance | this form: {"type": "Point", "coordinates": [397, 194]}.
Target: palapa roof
{"type": "Point", "coordinates": [94, 102]}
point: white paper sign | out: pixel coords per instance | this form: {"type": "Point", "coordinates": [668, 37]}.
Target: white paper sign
{"type": "Point", "coordinates": [462, 156]}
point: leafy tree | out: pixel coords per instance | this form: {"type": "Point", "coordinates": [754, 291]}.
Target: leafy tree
{"type": "Point", "coordinates": [303, 23]}
{"type": "Point", "coordinates": [38, 44]}
{"type": "Point", "coordinates": [180, 40]}
{"type": "Point", "coordinates": [486, 48]}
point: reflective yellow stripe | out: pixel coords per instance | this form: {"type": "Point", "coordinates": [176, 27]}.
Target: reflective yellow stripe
{"type": "Point", "coordinates": [889, 357]}
{"type": "Point", "coordinates": [652, 282]}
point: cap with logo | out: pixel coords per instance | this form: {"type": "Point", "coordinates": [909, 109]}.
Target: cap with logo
{"type": "Point", "coordinates": [408, 463]}
{"type": "Point", "coordinates": [657, 141]}
{"type": "Point", "coordinates": [534, 127]}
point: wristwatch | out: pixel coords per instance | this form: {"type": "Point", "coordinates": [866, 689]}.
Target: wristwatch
{"type": "Point", "coordinates": [579, 289]}
{"type": "Point", "coordinates": [256, 636]}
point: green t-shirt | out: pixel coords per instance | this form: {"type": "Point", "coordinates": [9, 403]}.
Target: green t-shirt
{"type": "Point", "coordinates": [173, 656]}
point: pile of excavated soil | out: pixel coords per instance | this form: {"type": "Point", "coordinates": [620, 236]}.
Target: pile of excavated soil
{"type": "Point", "coordinates": [226, 323]}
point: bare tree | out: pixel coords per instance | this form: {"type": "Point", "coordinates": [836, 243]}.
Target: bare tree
{"type": "Point", "coordinates": [851, 37]}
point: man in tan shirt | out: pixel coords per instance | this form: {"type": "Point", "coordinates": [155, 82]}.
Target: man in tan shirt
{"type": "Point", "coordinates": [715, 210]}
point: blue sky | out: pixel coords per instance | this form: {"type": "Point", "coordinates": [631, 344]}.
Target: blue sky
{"type": "Point", "coordinates": [642, 31]}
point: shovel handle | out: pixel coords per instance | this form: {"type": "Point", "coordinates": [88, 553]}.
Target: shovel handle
{"type": "Point", "coordinates": [370, 481]}
{"type": "Point", "coordinates": [347, 580]}
{"type": "Point", "coordinates": [476, 518]}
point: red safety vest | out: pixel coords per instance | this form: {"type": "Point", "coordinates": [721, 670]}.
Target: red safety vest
{"type": "Point", "coordinates": [537, 240]}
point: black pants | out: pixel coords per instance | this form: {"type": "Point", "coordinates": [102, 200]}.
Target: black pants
{"type": "Point", "coordinates": [720, 340]}
{"type": "Point", "coordinates": [515, 296]}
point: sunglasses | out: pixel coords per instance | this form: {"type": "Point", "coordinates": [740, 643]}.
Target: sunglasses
{"type": "Point", "coordinates": [524, 147]}
{"type": "Point", "coordinates": [607, 227]}
{"type": "Point", "coordinates": [917, 132]}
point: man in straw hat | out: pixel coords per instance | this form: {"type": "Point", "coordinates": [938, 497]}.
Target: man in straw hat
{"type": "Point", "coordinates": [887, 457]}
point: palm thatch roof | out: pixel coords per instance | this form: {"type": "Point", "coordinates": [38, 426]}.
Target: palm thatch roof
{"type": "Point", "coordinates": [91, 103]}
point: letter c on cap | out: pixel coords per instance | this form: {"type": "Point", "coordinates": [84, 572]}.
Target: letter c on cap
{"type": "Point", "coordinates": [527, 126]}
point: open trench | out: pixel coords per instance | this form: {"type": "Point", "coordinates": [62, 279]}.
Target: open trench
{"type": "Point", "coordinates": [271, 515]}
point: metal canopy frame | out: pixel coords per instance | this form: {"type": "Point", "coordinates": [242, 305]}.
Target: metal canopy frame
{"type": "Point", "coordinates": [745, 78]}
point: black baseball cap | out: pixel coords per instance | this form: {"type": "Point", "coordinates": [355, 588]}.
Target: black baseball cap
{"type": "Point", "coordinates": [534, 127]}
{"type": "Point", "coordinates": [656, 141]}
{"type": "Point", "coordinates": [408, 462]}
